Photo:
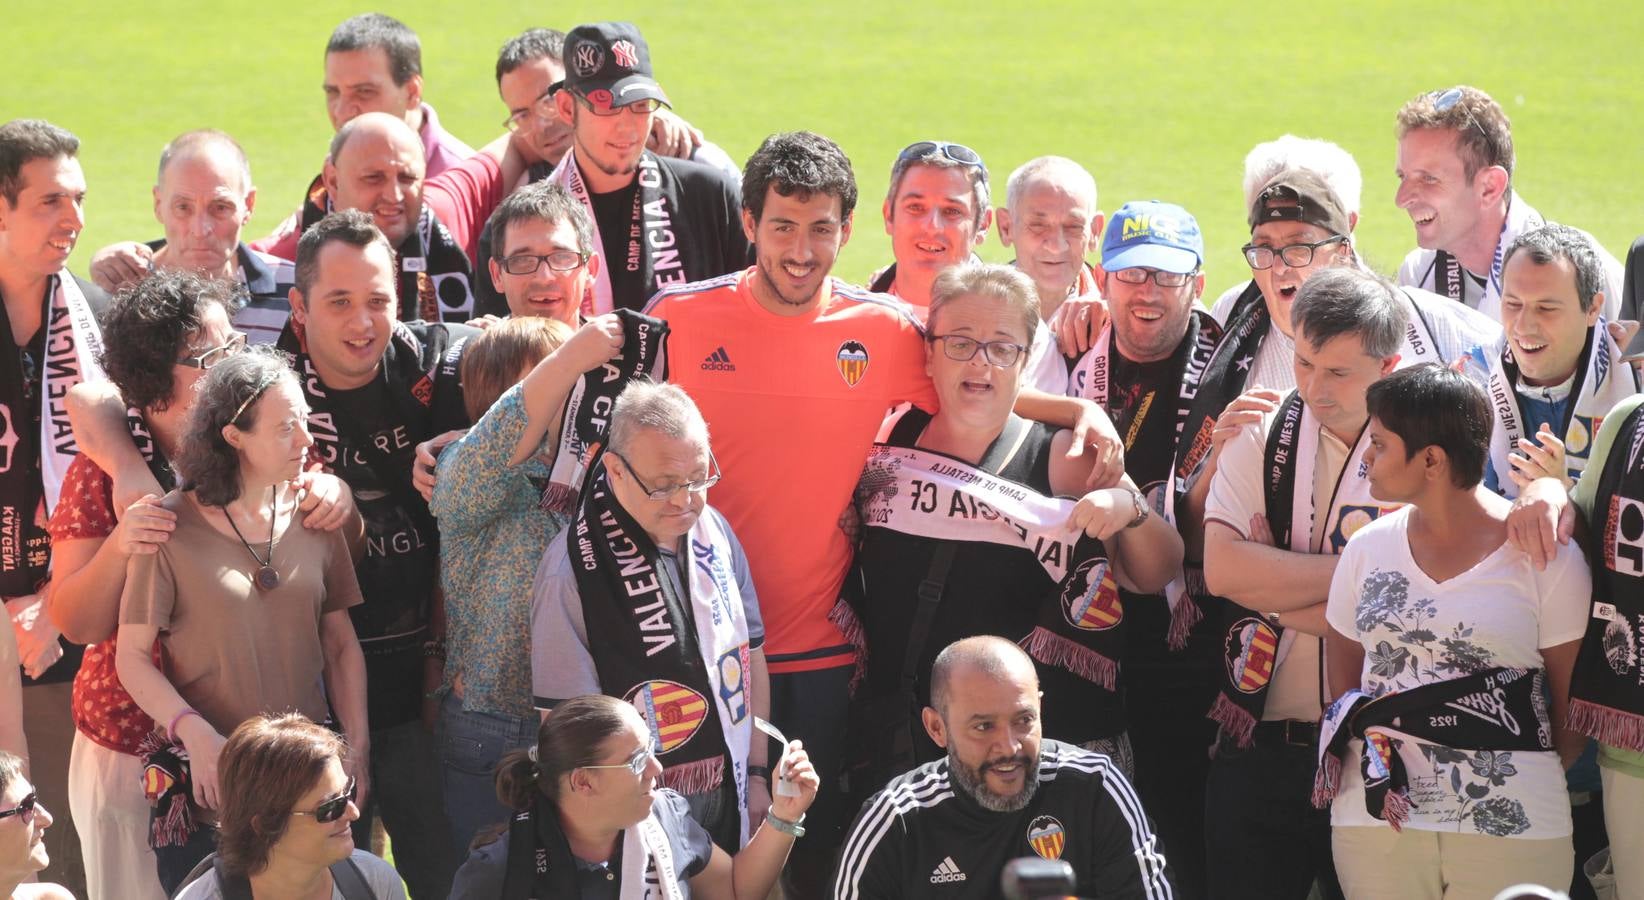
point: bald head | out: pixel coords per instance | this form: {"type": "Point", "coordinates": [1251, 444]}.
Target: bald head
{"type": "Point", "coordinates": [209, 145]}
{"type": "Point", "coordinates": [993, 658]}
{"type": "Point", "coordinates": [376, 165]}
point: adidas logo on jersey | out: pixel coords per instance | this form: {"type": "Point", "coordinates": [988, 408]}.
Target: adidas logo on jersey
{"type": "Point", "coordinates": [718, 361]}
{"type": "Point", "coordinates": [946, 871]}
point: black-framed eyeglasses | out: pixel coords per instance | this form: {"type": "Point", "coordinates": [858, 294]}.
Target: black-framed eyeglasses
{"type": "Point", "coordinates": [958, 153]}
{"type": "Point", "coordinates": [529, 263]}
{"type": "Point", "coordinates": [1443, 100]}
{"type": "Point", "coordinates": [636, 763]}
{"type": "Point", "coordinates": [640, 107]}
{"type": "Point", "coordinates": [208, 358]}
{"type": "Point", "coordinates": [1294, 255]}
{"type": "Point", "coordinates": [23, 810]}
{"type": "Point", "coordinates": [999, 354]}
{"type": "Point", "coordinates": [543, 106]}
{"type": "Point", "coordinates": [1138, 275]}
{"type": "Point", "coordinates": [332, 810]}
{"type": "Point", "coordinates": [667, 493]}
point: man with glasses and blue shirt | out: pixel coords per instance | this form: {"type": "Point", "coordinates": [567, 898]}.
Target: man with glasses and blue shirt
{"type": "Point", "coordinates": [937, 213]}
{"type": "Point", "coordinates": [668, 555]}
{"type": "Point", "coordinates": [660, 221]}
{"type": "Point", "coordinates": [1455, 171]}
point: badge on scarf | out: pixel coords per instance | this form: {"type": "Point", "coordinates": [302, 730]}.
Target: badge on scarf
{"type": "Point", "coordinates": [673, 711]}
{"type": "Point", "coordinates": [1251, 650]}
{"type": "Point", "coordinates": [1090, 601]}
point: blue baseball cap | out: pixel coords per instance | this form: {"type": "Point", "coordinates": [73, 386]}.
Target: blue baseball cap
{"type": "Point", "coordinates": [1154, 235]}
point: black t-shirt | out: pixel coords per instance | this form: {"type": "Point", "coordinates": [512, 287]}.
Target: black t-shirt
{"type": "Point", "coordinates": [400, 568]}
{"type": "Point", "coordinates": [614, 217]}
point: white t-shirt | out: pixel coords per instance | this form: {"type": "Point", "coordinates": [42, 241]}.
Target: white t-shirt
{"type": "Point", "coordinates": [1501, 612]}
{"type": "Point", "coordinates": [1046, 368]}
{"type": "Point", "coordinates": [384, 881]}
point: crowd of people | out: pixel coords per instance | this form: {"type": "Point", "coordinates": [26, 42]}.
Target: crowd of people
{"type": "Point", "coordinates": [395, 522]}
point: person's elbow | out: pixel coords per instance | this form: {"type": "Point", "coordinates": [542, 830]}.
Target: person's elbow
{"type": "Point", "coordinates": [77, 624]}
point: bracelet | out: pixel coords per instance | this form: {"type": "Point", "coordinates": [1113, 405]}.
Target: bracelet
{"type": "Point", "coordinates": [1142, 510]}
{"type": "Point", "coordinates": [759, 772]}
{"type": "Point", "coordinates": [171, 729]}
{"type": "Point", "coordinates": [783, 825]}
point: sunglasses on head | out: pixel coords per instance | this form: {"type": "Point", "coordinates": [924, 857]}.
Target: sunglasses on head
{"type": "Point", "coordinates": [332, 810]}
{"type": "Point", "coordinates": [24, 810]}
{"type": "Point", "coordinates": [1445, 99]}
{"type": "Point", "coordinates": [958, 153]}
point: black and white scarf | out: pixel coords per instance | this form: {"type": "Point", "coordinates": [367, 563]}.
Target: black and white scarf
{"type": "Point", "coordinates": [1607, 689]}
{"type": "Point", "coordinates": [73, 345]}
{"type": "Point", "coordinates": [1499, 709]}
{"type": "Point", "coordinates": [1152, 440]}
{"type": "Point", "coordinates": [586, 417]}
{"type": "Point", "coordinates": [435, 275]}
{"type": "Point", "coordinates": [657, 247]}
{"type": "Point", "coordinates": [1079, 624]}
{"type": "Point", "coordinates": [1602, 380]}
{"type": "Point", "coordinates": [682, 661]}
{"type": "Point", "coordinates": [540, 865]}
{"type": "Point", "coordinates": [1254, 647]}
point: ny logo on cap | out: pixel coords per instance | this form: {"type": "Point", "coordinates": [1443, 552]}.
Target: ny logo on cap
{"type": "Point", "coordinates": [587, 59]}
{"type": "Point", "coordinates": [625, 54]}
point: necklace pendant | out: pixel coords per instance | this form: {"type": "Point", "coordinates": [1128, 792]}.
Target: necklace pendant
{"type": "Point", "coordinates": [267, 578]}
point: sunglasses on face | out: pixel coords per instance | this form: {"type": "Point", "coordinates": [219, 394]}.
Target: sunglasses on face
{"type": "Point", "coordinates": [205, 359]}
{"type": "Point", "coordinates": [24, 810]}
{"type": "Point", "coordinates": [636, 763]}
{"type": "Point", "coordinates": [332, 810]}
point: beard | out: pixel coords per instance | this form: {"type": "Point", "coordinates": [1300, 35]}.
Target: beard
{"type": "Point", "coordinates": [973, 782]}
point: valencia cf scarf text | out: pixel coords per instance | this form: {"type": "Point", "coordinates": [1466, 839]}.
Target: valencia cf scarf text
{"type": "Point", "coordinates": [656, 247]}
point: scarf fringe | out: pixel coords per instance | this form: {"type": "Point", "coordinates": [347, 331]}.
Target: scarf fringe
{"type": "Point", "coordinates": [1054, 650]}
{"type": "Point", "coordinates": [1327, 780]}
{"type": "Point", "coordinates": [1239, 724]}
{"type": "Point", "coordinates": [559, 498]}
{"type": "Point", "coordinates": [843, 617]}
{"type": "Point", "coordinates": [697, 777]}
{"type": "Point", "coordinates": [1182, 619]}
{"type": "Point", "coordinates": [1607, 724]}
{"type": "Point", "coordinates": [1395, 809]}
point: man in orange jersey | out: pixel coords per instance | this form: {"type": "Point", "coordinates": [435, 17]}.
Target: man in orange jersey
{"type": "Point", "coordinates": [794, 371]}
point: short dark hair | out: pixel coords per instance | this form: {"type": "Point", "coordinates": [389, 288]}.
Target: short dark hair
{"type": "Point", "coordinates": [147, 326]}
{"type": "Point", "coordinates": [1552, 242]}
{"type": "Point", "coordinates": [228, 396]}
{"type": "Point", "coordinates": [994, 656]}
{"type": "Point", "coordinates": [369, 31]}
{"type": "Point", "coordinates": [547, 201]}
{"type": "Point", "coordinates": [1432, 405]}
{"type": "Point", "coordinates": [567, 740]}
{"type": "Point", "coordinates": [23, 141]}
{"type": "Point", "coordinates": [530, 45]}
{"type": "Point", "coordinates": [802, 163]}
{"type": "Point", "coordinates": [349, 226]}
{"type": "Point", "coordinates": [269, 762]}
{"type": "Point", "coordinates": [1342, 301]}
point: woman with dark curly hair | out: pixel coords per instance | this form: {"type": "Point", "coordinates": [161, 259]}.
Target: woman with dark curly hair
{"type": "Point", "coordinates": [250, 606]}
{"type": "Point", "coordinates": [1452, 656]}
{"type": "Point", "coordinates": [284, 832]}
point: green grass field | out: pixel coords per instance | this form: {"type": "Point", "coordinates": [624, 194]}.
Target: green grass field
{"type": "Point", "coordinates": [1157, 100]}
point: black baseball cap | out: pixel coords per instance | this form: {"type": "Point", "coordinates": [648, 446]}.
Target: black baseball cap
{"type": "Point", "coordinates": [609, 65]}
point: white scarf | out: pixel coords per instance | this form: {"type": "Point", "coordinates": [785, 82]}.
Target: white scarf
{"type": "Point", "coordinates": [73, 344]}
{"type": "Point", "coordinates": [1604, 379]}
{"type": "Point", "coordinates": [648, 862]}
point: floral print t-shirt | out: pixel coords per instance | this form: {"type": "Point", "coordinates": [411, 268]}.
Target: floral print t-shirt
{"type": "Point", "coordinates": [1415, 631]}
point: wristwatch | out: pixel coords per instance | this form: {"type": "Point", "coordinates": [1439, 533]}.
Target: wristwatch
{"type": "Point", "coordinates": [1142, 510]}
{"type": "Point", "coordinates": [783, 825]}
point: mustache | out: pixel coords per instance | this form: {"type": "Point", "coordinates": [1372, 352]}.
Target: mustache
{"type": "Point", "coordinates": [1024, 761]}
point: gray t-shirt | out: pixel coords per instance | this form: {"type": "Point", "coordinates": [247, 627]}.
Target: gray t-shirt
{"type": "Point", "coordinates": [561, 666]}
{"type": "Point", "coordinates": [384, 881]}
{"type": "Point", "coordinates": [482, 876]}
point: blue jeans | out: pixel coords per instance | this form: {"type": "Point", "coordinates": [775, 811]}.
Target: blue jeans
{"type": "Point", "coordinates": [402, 772]}
{"type": "Point", "coordinates": [471, 744]}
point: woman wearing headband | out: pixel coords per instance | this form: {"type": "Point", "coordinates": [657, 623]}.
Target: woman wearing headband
{"type": "Point", "coordinates": [250, 606]}
{"type": "Point", "coordinates": [288, 802]}
{"type": "Point", "coordinates": [592, 820]}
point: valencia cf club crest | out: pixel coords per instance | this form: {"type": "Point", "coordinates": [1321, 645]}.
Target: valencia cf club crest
{"type": "Point", "coordinates": [1047, 837]}
{"type": "Point", "coordinates": [1090, 600]}
{"type": "Point", "coordinates": [673, 711]}
{"type": "Point", "coordinates": [1251, 649]}
{"type": "Point", "coordinates": [852, 360]}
